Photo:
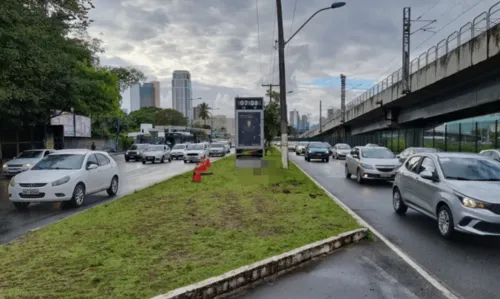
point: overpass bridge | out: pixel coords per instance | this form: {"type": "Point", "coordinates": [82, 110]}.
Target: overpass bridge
{"type": "Point", "coordinates": [458, 78]}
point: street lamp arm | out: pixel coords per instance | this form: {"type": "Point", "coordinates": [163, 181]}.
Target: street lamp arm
{"type": "Point", "coordinates": [305, 23]}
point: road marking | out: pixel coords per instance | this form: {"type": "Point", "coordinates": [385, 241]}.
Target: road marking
{"type": "Point", "coordinates": [438, 285]}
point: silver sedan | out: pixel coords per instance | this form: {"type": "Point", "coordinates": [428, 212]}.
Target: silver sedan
{"type": "Point", "coordinates": [458, 190]}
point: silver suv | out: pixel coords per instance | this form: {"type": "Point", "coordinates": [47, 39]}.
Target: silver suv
{"type": "Point", "coordinates": [371, 163]}
{"type": "Point", "coordinates": [459, 190]}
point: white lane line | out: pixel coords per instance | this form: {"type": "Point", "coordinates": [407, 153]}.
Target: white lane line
{"type": "Point", "coordinates": [438, 285]}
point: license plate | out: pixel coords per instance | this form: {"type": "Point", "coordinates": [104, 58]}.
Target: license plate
{"type": "Point", "coordinates": [31, 191]}
{"type": "Point", "coordinates": [386, 175]}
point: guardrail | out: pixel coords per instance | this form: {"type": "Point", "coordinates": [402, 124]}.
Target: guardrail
{"type": "Point", "coordinates": [478, 25]}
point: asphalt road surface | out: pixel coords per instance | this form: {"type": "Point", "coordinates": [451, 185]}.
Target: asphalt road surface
{"type": "Point", "coordinates": [133, 176]}
{"type": "Point", "coordinates": [367, 270]}
{"type": "Point", "coordinates": [468, 266]}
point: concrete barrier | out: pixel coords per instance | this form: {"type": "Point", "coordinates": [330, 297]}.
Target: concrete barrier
{"type": "Point", "coordinates": [237, 280]}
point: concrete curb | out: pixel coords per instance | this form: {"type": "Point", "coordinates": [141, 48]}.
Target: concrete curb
{"type": "Point", "coordinates": [236, 280]}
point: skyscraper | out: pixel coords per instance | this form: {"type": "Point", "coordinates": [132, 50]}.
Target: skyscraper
{"type": "Point", "coordinates": [147, 95]}
{"type": "Point", "coordinates": [330, 113]}
{"type": "Point", "coordinates": [181, 93]}
{"type": "Point", "coordinates": [294, 119]}
{"type": "Point", "coordinates": [305, 123]}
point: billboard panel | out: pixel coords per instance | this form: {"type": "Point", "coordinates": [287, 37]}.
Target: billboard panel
{"type": "Point", "coordinates": [83, 124]}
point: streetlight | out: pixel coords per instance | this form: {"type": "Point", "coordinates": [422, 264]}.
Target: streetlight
{"type": "Point", "coordinates": [281, 44]}
{"type": "Point", "coordinates": [74, 121]}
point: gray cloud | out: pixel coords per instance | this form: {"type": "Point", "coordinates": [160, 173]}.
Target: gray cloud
{"type": "Point", "coordinates": [217, 41]}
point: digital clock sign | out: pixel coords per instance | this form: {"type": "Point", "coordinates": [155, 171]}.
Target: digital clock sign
{"type": "Point", "coordinates": [249, 103]}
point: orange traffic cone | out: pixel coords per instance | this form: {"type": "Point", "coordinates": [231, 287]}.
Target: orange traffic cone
{"type": "Point", "coordinates": [208, 162]}
{"type": "Point", "coordinates": [196, 176]}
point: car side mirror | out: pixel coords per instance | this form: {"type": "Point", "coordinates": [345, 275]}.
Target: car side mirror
{"type": "Point", "coordinates": [398, 156]}
{"type": "Point", "coordinates": [92, 166]}
{"type": "Point", "coordinates": [429, 175]}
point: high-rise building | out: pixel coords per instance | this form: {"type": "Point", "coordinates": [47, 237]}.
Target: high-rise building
{"type": "Point", "coordinates": [305, 123]}
{"type": "Point", "coordinates": [147, 95]}
{"type": "Point", "coordinates": [294, 119]}
{"type": "Point", "coordinates": [181, 93]}
{"type": "Point", "coordinates": [135, 97]}
{"type": "Point", "coordinates": [196, 112]}
{"type": "Point", "coordinates": [156, 90]}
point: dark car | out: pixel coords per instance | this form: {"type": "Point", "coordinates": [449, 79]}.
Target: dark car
{"type": "Point", "coordinates": [317, 150]}
{"type": "Point", "coordinates": [330, 151]}
{"type": "Point", "coordinates": [135, 152]}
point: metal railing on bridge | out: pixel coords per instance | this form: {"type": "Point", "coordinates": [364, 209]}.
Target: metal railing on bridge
{"type": "Point", "coordinates": [478, 25]}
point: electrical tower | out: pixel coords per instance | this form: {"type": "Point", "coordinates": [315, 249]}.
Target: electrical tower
{"type": "Point", "coordinates": [342, 98]}
{"type": "Point", "coordinates": [406, 50]}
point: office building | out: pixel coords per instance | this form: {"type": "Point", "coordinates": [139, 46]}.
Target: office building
{"type": "Point", "coordinates": [294, 119]}
{"type": "Point", "coordinates": [181, 94]}
{"type": "Point", "coordinates": [304, 123]}
{"type": "Point", "coordinates": [147, 95]}
{"type": "Point", "coordinates": [196, 113]}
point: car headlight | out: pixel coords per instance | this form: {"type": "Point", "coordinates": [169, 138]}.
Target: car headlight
{"type": "Point", "coordinates": [366, 166]}
{"type": "Point", "coordinates": [472, 203]}
{"type": "Point", "coordinates": [12, 182]}
{"type": "Point", "coordinates": [5, 165]}
{"type": "Point", "coordinates": [26, 166]}
{"type": "Point", "coordinates": [60, 181]}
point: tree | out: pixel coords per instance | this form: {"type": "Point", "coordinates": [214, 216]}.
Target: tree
{"type": "Point", "coordinates": [170, 117]}
{"type": "Point", "coordinates": [127, 76]}
{"type": "Point", "coordinates": [273, 95]}
{"type": "Point", "coordinates": [271, 123]}
{"type": "Point", "coordinates": [204, 112]}
{"type": "Point", "coordinates": [145, 115]}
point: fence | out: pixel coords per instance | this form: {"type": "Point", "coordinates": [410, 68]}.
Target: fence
{"type": "Point", "coordinates": [465, 136]}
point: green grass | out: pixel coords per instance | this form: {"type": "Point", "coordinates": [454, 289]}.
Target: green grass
{"type": "Point", "coordinates": [172, 234]}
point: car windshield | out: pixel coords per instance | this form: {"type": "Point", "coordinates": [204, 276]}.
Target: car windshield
{"type": "Point", "coordinates": [343, 146]}
{"type": "Point", "coordinates": [195, 147]}
{"type": "Point", "coordinates": [60, 161]}
{"type": "Point", "coordinates": [377, 153]}
{"type": "Point", "coordinates": [155, 148]}
{"type": "Point", "coordinates": [327, 144]}
{"type": "Point", "coordinates": [138, 147]}
{"type": "Point", "coordinates": [179, 146]}
{"type": "Point", "coordinates": [217, 145]}
{"type": "Point", "coordinates": [30, 155]}
{"type": "Point", "coordinates": [303, 143]}
{"type": "Point", "coordinates": [317, 145]}
{"type": "Point", "coordinates": [470, 169]}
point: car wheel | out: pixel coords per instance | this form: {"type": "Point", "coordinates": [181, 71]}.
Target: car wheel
{"type": "Point", "coordinates": [336, 157]}
{"type": "Point", "coordinates": [78, 196]}
{"type": "Point", "coordinates": [162, 160]}
{"type": "Point", "coordinates": [327, 160]}
{"type": "Point", "coordinates": [397, 202]}
{"type": "Point", "coordinates": [359, 178]}
{"type": "Point", "coordinates": [143, 162]}
{"type": "Point", "coordinates": [297, 154]}
{"type": "Point", "coordinates": [346, 171]}
{"type": "Point", "coordinates": [185, 162]}
{"type": "Point", "coordinates": [113, 187]}
{"type": "Point", "coordinates": [127, 159]}
{"type": "Point", "coordinates": [21, 206]}
{"type": "Point", "coordinates": [169, 160]}
{"type": "Point", "coordinates": [446, 225]}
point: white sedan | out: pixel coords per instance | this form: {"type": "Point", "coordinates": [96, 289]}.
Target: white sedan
{"type": "Point", "coordinates": [67, 176]}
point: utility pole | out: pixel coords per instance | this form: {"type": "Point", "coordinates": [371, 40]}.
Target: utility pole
{"type": "Point", "coordinates": [406, 50]}
{"type": "Point", "coordinates": [342, 98]}
{"type": "Point", "coordinates": [283, 109]}
{"type": "Point", "coordinates": [320, 118]}
{"type": "Point", "coordinates": [406, 45]}
{"type": "Point", "coordinates": [270, 88]}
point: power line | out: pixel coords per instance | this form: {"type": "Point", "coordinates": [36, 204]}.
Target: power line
{"type": "Point", "coordinates": [435, 4]}
{"type": "Point", "coordinates": [258, 37]}
{"type": "Point", "coordinates": [273, 48]}
{"type": "Point", "coordinates": [293, 17]}
{"type": "Point", "coordinates": [447, 24]}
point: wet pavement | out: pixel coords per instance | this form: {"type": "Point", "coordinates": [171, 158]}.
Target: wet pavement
{"type": "Point", "coordinates": [366, 270]}
{"type": "Point", "coordinates": [133, 176]}
{"type": "Point", "coordinates": [467, 266]}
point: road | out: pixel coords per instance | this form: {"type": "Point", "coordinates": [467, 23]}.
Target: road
{"type": "Point", "coordinates": [367, 270]}
{"type": "Point", "coordinates": [133, 176]}
{"type": "Point", "coordinates": [468, 266]}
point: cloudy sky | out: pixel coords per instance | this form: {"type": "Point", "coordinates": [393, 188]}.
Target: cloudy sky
{"type": "Point", "coordinates": [227, 45]}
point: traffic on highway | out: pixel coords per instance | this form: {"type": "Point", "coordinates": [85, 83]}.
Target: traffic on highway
{"type": "Point", "coordinates": [64, 182]}
{"type": "Point", "coordinates": [440, 208]}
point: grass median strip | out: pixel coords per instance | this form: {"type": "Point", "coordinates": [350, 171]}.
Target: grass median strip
{"type": "Point", "coordinates": [172, 234]}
